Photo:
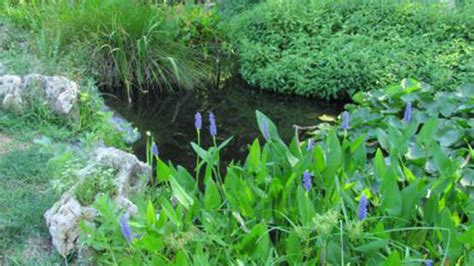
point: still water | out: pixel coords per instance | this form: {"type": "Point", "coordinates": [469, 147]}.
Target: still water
{"type": "Point", "coordinates": [171, 119]}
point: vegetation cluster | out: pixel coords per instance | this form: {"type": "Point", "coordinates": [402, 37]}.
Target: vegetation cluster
{"type": "Point", "coordinates": [333, 49]}
{"type": "Point", "coordinates": [392, 184]}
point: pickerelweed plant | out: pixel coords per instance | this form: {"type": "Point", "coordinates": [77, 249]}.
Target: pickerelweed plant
{"type": "Point", "coordinates": [379, 190]}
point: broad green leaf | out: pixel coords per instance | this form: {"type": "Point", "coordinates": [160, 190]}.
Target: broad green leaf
{"type": "Point", "coordinates": [212, 197]}
{"type": "Point", "coordinates": [169, 211]}
{"type": "Point", "coordinates": [372, 246]}
{"type": "Point", "coordinates": [393, 259]}
{"type": "Point", "coordinates": [162, 171]}
{"type": "Point", "coordinates": [305, 207]}
{"type": "Point", "coordinates": [150, 214]}
{"type": "Point", "coordinates": [180, 194]}
{"type": "Point", "coordinates": [253, 159]}
{"type": "Point", "coordinates": [262, 121]}
{"type": "Point", "coordinates": [428, 132]}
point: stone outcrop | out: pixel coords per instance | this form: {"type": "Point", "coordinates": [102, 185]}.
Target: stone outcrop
{"type": "Point", "coordinates": [64, 217]}
{"type": "Point", "coordinates": [59, 93]}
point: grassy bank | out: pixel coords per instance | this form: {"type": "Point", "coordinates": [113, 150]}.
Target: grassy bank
{"type": "Point", "coordinates": [34, 148]}
{"type": "Point", "coordinates": [133, 45]}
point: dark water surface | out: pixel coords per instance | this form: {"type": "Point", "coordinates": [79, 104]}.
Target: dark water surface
{"type": "Point", "coordinates": [171, 119]}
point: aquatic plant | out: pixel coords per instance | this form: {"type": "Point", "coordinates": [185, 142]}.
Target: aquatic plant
{"type": "Point", "coordinates": [268, 203]}
{"type": "Point", "coordinates": [408, 113]}
{"type": "Point", "coordinates": [212, 125]}
{"type": "Point", "coordinates": [154, 150]}
{"type": "Point", "coordinates": [125, 228]}
{"type": "Point", "coordinates": [307, 181]}
{"type": "Point", "coordinates": [362, 210]}
{"type": "Point", "coordinates": [198, 121]}
{"type": "Point", "coordinates": [266, 134]}
{"type": "Point", "coordinates": [345, 120]}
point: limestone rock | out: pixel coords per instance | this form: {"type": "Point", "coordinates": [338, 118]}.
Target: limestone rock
{"type": "Point", "coordinates": [11, 92]}
{"type": "Point", "coordinates": [64, 217]}
{"type": "Point", "coordinates": [59, 93]}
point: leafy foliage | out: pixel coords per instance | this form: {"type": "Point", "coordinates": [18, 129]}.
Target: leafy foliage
{"type": "Point", "coordinates": [99, 181]}
{"type": "Point", "coordinates": [332, 49]}
{"type": "Point", "coordinates": [259, 212]}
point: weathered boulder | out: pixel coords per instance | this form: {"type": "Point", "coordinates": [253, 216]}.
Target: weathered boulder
{"type": "Point", "coordinates": [59, 93]}
{"type": "Point", "coordinates": [64, 217]}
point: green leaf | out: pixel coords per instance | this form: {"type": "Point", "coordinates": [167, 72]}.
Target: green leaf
{"type": "Point", "coordinates": [262, 119]}
{"type": "Point", "coordinates": [391, 196]}
{"type": "Point", "coordinates": [305, 207]}
{"type": "Point", "coordinates": [169, 212]}
{"type": "Point", "coordinates": [150, 214]}
{"type": "Point", "coordinates": [180, 194]}
{"type": "Point", "coordinates": [428, 132]}
{"type": "Point", "coordinates": [372, 246]}
{"type": "Point", "coordinates": [212, 198]}
{"type": "Point", "coordinates": [253, 159]}
{"type": "Point", "coordinates": [162, 171]}
{"type": "Point", "coordinates": [393, 259]}
{"type": "Point", "coordinates": [293, 248]}
{"type": "Point", "coordinates": [334, 155]}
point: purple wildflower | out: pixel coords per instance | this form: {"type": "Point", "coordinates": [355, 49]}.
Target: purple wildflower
{"type": "Point", "coordinates": [307, 181]}
{"type": "Point", "coordinates": [345, 120]}
{"type": "Point", "coordinates": [428, 262]}
{"type": "Point", "coordinates": [266, 134]}
{"type": "Point", "coordinates": [198, 121]}
{"type": "Point", "coordinates": [212, 126]}
{"type": "Point", "coordinates": [310, 144]}
{"type": "Point", "coordinates": [125, 228]}
{"type": "Point", "coordinates": [363, 207]}
{"type": "Point", "coordinates": [408, 113]}
{"type": "Point", "coordinates": [154, 150]}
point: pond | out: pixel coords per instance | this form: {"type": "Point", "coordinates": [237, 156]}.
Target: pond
{"type": "Point", "coordinates": [171, 119]}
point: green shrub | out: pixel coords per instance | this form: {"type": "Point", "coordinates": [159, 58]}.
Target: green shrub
{"type": "Point", "coordinates": [394, 187]}
{"type": "Point", "coordinates": [332, 49]}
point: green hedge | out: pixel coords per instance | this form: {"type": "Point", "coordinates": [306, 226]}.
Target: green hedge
{"type": "Point", "coordinates": [331, 50]}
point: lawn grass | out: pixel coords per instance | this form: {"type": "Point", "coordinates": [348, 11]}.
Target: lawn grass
{"type": "Point", "coordinates": [25, 195]}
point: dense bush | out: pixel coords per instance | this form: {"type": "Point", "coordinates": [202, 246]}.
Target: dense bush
{"type": "Point", "coordinates": [391, 186]}
{"type": "Point", "coordinates": [331, 49]}
{"type": "Point", "coordinates": [137, 45]}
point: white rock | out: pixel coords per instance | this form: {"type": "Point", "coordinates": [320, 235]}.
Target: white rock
{"type": "Point", "coordinates": [58, 92]}
{"type": "Point", "coordinates": [11, 92]}
{"type": "Point", "coordinates": [64, 217]}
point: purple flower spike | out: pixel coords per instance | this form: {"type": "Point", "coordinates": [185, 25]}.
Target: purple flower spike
{"type": "Point", "coordinates": [266, 134]}
{"type": "Point", "coordinates": [198, 121]}
{"type": "Point", "coordinates": [428, 262]}
{"type": "Point", "coordinates": [212, 126]}
{"type": "Point", "coordinates": [125, 228]}
{"type": "Point", "coordinates": [363, 207]}
{"type": "Point", "coordinates": [408, 113]}
{"type": "Point", "coordinates": [307, 179]}
{"type": "Point", "coordinates": [345, 120]}
{"type": "Point", "coordinates": [154, 150]}
{"type": "Point", "coordinates": [310, 145]}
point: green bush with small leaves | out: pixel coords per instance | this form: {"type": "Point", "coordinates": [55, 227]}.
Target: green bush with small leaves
{"type": "Point", "coordinates": [332, 49]}
{"type": "Point", "coordinates": [99, 181]}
